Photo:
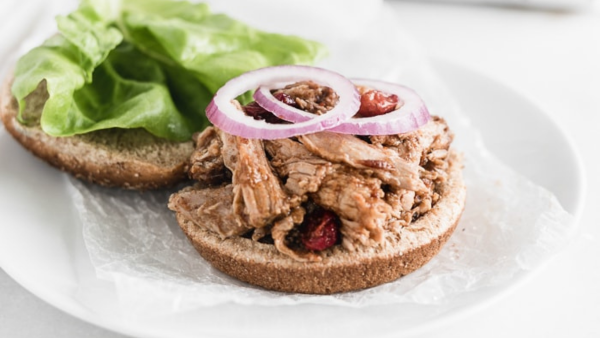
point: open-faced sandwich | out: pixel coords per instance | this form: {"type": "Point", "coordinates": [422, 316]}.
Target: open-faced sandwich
{"type": "Point", "coordinates": [116, 95]}
{"type": "Point", "coordinates": [322, 184]}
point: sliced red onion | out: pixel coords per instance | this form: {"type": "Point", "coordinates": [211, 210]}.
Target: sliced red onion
{"type": "Point", "coordinates": [224, 114]}
{"type": "Point", "coordinates": [265, 99]}
{"type": "Point", "coordinates": [410, 116]}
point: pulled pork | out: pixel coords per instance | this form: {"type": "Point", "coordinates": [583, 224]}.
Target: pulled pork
{"type": "Point", "coordinates": [263, 189]}
{"type": "Point", "coordinates": [311, 97]}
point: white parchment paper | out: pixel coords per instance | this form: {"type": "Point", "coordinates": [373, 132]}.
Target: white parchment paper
{"type": "Point", "coordinates": [509, 226]}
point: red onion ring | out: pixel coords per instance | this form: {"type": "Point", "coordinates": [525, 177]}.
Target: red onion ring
{"type": "Point", "coordinates": [224, 114]}
{"type": "Point", "coordinates": [265, 99]}
{"type": "Point", "coordinates": [410, 116]}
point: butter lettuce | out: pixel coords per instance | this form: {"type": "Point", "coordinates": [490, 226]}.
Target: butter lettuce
{"type": "Point", "coordinates": [151, 64]}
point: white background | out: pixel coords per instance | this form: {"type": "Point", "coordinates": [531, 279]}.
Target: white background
{"type": "Point", "coordinates": [552, 58]}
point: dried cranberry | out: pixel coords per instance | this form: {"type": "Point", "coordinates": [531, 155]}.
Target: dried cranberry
{"type": "Point", "coordinates": [259, 113]}
{"type": "Point", "coordinates": [320, 230]}
{"type": "Point", "coordinates": [374, 102]}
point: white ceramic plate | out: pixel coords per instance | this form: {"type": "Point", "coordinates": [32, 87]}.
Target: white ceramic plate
{"type": "Point", "coordinates": [41, 245]}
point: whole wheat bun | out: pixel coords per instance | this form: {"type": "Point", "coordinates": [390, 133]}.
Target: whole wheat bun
{"type": "Point", "coordinates": [404, 251]}
{"type": "Point", "coordinates": [132, 158]}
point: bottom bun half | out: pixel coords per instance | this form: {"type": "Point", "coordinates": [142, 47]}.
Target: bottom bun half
{"type": "Point", "coordinates": [403, 251]}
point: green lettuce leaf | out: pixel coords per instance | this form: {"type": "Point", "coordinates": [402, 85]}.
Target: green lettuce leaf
{"type": "Point", "coordinates": [215, 47]}
{"type": "Point", "coordinates": [137, 92]}
{"type": "Point", "coordinates": [65, 61]}
{"type": "Point", "coordinates": [151, 64]}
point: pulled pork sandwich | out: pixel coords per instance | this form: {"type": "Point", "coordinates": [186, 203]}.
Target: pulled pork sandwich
{"type": "Point", "coordinates": [322, 185]}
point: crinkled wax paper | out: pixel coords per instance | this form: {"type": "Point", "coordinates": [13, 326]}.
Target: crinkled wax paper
{"type": "Point", "coordinates": [509, 226]}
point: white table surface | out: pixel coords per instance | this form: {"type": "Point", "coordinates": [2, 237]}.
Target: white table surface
{"type": "Point", "coordinates": [553, 59]}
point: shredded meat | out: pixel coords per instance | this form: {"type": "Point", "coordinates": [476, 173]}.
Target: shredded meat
{"type": "Point", "coordinates": [428, 147]}
{"type": "Point", "coordinates": [358, 200]}
{"type": "Point", "coordinates": [210, 208]}
{"type": "Point", "coordinates": [371, 183]}
{"type": "Point", "coordinates": [355, 198]}
{"type": "Point", "coordinates": [258, 194]}
{"type": "Point", "coordinates": [402, 202]}
{"type": "Point", "coordinates": [311, 97]}
{"type": "Point", "coordinates": [418, 146]}
{"type": "Point", "coordinates": [303, 171]}
{"type": "Point", "coordinates": [206, 161]}
{"type": "Point", "coordinates": [384, 163]}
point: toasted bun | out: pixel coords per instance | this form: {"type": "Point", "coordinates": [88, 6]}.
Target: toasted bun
{"type": "Point", "coordinates": [126, 158]}
{"type": "Point", "coordinates": [403, 251]}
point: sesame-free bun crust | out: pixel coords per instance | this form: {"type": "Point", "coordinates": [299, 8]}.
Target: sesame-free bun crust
{"type": "Point", "coordinates": [130, 158]}
{"type": "Point", "coordinates": [404, 250]}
